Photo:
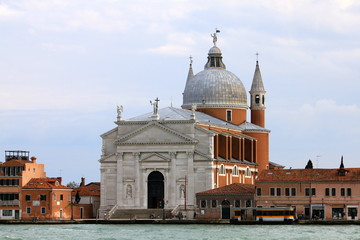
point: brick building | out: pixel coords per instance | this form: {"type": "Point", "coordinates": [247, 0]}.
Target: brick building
{"type": "Point", "coordinates": [315, 193]}
{"type": "Point", "coordinates": [46, 199]}
{"type": "Point", "coordinates": [219, 203]}
{"type": "Point", "coordinates": [16, 172]}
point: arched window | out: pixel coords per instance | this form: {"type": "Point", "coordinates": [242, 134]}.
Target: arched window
{"type": "Point", "coordinates": [263, 99]}
{"type": "Point", "coordinates": [257, 99]}
{"type": "Point", "coordinates": [235, 171]}
{"type": "Point", "coordinates": [222, 169]}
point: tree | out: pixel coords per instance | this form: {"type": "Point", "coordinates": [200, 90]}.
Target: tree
{"type": "Point", "coordinates": [73, 184]}
{"type": "Point", "coordinates": [309, 165]}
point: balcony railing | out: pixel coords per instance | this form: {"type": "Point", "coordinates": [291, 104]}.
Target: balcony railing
{"type": "Point", "coordinates": [10, 202]}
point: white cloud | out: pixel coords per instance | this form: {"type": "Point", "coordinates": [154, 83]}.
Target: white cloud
{"type": "Point", "coordinates": [7, 13]}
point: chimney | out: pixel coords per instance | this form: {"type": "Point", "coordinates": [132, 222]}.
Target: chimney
{"type": "Point", "coordinates": [33, 159]}
{"type": "Point", "coordinates": [82, 182]}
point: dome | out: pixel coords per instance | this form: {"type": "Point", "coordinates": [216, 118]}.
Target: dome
{"type": "Point", "coordinates": [215, 88]}
{"type": "Point", "coordinates": [214, 50]}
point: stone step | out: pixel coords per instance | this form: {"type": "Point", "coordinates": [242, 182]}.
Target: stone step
{"type": "Point", "coordinates": [140, 213]}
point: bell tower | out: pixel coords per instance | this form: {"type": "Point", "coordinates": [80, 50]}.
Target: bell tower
{"type": "Point", "coordinates": [257, 96]}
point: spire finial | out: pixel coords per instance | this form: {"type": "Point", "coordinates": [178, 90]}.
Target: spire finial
{"type": "Point", "coordinates": [191, 60]}
{"type": "Point", "coordinates": [257, 56]}
{"type": "Point", "coordinates": [214, 36]}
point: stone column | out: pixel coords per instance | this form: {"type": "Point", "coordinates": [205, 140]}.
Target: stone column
{"type": "Point", "coordinates": [172, 181]}
{"type": "Point", "coordinates": [190, 188]}
{"type": "Point", "coordinates": [137, 179]}
{"type": "Point", "coordinates": [119, 178]}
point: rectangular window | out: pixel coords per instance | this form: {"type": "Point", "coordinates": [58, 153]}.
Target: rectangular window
{"type": "Point", "coordinates": [61, 197]}
{"type": "Point", "coordinates": [258, 191]}
{"type": "Point", "coordinates": [293, 191]}
{"type": "Point", "coordinates": [203, 203]}
{"type": "Point", "coordinates": [307, 191]}
{"type": "Point", "coordinates": [54, 196]}
{"type": "Point", "coordinates": [213, 203]}
{"type": "Point", "coordinates": [287, 191]}
{"type": "Point", "coordinates": [342, 192]}
{"type": "Point", "coordinates": [28, 210]}
{"type": "Point", "coordinates": [333, 192]}
{"type": "Point", "coordinates": [42, 197]}
{"type": "Point", "coordinates": [327, 192]}
{"type": "Point", "coordinates": [43, 210]}
{"type": "Point", "coordinates": [349, 192]}
{"type": "Point", "coordinates": [28, 198]}
{"type": "Point", "coordinates": [278, 191]}
{"type": "Point", "coordinates": [272, 191]}
{"type": "Point", "coordinates": [313, 192]}
{"type": "Point", "coordinates": [237, 203]}
{"type": "Point", "coordinates": [7, 213]}
{"type": "Point", "coordinates": [228, 115]}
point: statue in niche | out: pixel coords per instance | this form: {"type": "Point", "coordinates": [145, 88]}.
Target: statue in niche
{"type": "Point", "coordinates": [182, 190]}
{"type": "Point", "coordinates": [128, 191]}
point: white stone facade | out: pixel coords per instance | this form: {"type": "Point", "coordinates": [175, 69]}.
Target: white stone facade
{"type": "Point", "coordinates": [180, 150]}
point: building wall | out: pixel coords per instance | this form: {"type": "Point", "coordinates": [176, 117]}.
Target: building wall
{"type": "Point", "coordinates": [238, 115]}
{"type": "Point", "coordinates": [262, 150]}
{"type": "Point", "coordinates": [55, 208]}
{"type": "Point", "coordinates": [309, 206]}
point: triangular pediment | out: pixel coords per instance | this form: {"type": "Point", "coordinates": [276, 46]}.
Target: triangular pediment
{"type": "Point", "coordinates": [155, 157]}
{"type": "Point", "coordinates": [154, 133]}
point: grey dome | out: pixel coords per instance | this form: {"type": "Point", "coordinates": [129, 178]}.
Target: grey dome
{"type": "Point", "coordinates": [216, 88]}
{"type": "Point", "coordinates": [214, 50]}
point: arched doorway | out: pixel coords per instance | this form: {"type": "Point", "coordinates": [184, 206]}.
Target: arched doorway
{"type": "Point", "coordinates": [155, 190]}
{"type": "Point", "coordinates": [225, 209]}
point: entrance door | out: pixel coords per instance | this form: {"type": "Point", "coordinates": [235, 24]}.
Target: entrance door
{"type": "Point", "coordinates": [17, 214]}
{"type": "Point", "coordinates": [155, 190]}
{"type": "Point", "coordinates": [225, 207]}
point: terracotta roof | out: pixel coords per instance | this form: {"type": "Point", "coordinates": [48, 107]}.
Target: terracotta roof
{"type": "Point", "coordinates": [235, 188]}
{"type": "Point", "coordinates": [15, 162]}
{"type": "Point", "coordinates": [45, 183]}
{"type": "Point", "coordinates": [91, 189]}
{"type": "Point", "coordinates": [307, 175]}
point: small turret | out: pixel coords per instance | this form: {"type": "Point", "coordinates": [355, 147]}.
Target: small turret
{"type": "Point", "coordinates": [257, 96]}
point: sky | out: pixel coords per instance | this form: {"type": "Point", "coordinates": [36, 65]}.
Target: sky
{"type": "Point", "coordinates": [65, 65]}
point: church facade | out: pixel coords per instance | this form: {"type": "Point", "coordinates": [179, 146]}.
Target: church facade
{"type": "Point", "coordinates": [163, 158]}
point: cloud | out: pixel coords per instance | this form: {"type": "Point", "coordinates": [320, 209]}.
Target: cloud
{"type": "Point", "coordinates": [7, 13]}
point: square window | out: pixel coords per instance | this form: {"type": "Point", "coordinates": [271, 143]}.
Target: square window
{"type": "Point", "coordinates": [42, 197]}
{"type": "Point", "coordinates": [203, 203]}
{"type": "Point", "coordinates": [28, 197]}
{"type": "Point", "coordinates": [237, 203]}
{"type": "Point", "coordinates": [213, 203]}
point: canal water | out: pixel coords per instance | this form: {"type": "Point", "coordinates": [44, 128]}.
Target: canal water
{"type": "Point", "coordinates": [175, 232]}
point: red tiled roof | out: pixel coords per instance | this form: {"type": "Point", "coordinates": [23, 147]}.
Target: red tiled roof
{"type": "Point", "coordinates": [235, 188]}
{"type": "Point", "coordinates": [307, 175]}
{"type": "Point", "coordinates": [91, 189]}
{"type": "Point", "coordinates": [44, 183]}
{"type": "Point", "coordinates": [14, 162]}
